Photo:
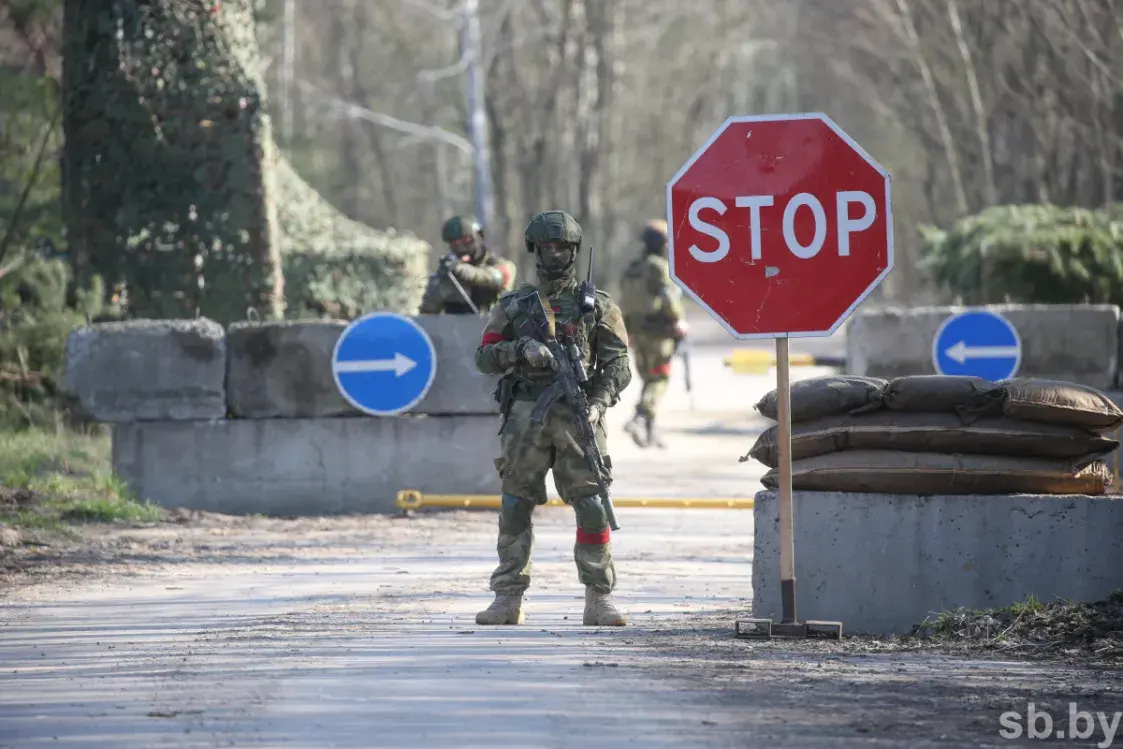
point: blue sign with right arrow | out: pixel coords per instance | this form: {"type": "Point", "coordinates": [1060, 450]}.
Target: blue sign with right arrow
{"type": "Point", "coordinates": [384, 363]}
{"type": "Point", "coordinates": [977, 343]}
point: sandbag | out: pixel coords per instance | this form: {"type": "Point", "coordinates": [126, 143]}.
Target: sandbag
{"type": "Point", "coordinates": [830, 395]}
{"type": "Point", "coordinates": [891, 472]}
{"type": "Point", "coordinates": [942, 393]}
{"type": "Point", "coordinates": [934, 433]}
{"type": "Point", "coordinates": [1056, 402]}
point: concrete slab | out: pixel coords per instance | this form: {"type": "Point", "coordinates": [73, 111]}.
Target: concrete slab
{"type": "Point", "coordinates": [305, 466]}
{"type": "Point", "coordinates": [883, 563]}
{"type": "Point", "coordinates": [148, 369]}
{"type": "Point", "coordinates": [345, 464]}
{"type": "Point", "coordinates": [1071, 342]}
{"type": "Point", "coordinates": [283, 369]}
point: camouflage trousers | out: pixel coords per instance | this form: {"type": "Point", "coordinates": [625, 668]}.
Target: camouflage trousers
{"type": "Point", "coordinates": [653, 356]}
{"type": "Point", "coordinates": [529, 451]}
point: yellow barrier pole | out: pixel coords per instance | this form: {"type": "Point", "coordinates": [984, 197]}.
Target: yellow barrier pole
{"type": "Point", "coordinates": [758, 361]}
{"type": "Point", "coordinates": [411, 499]}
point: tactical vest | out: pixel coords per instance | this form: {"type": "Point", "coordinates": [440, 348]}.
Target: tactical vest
{"type": "Point", "coordinates": [570, 323]}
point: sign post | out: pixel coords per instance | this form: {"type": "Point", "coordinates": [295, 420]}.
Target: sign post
{"type": "Point", "coordinates": [781, 225]}
{"type": "Point", "coordinates": [979, 343]}
{"type": "Point", "coordinates": [383, 364]}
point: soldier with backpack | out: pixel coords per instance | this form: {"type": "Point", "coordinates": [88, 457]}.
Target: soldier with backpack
{"type": "Point", "coordinates": [656, 324]}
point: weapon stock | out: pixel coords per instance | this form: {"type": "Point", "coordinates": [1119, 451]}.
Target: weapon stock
{"type": "Point", "coordinates": [571, 375]}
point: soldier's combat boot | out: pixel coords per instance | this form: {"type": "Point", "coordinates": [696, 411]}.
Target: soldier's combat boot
{"type": "Point", "coordinates": [600, 611]}
{"type": "Point", "coordinates": [633, 430]}
{"type": "Point", "coordinates": [505, 609]}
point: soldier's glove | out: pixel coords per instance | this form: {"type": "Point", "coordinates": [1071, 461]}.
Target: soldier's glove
{"type": "Point", "coordinates": [537, 354]}
{"type": "Point", "coordinates": [596, 412]}
{"type": "Point", "coordinates": [681, 330]}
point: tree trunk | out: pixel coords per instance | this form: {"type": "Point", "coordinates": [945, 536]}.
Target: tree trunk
{"type": "Point", "coordinates": [174, 184]}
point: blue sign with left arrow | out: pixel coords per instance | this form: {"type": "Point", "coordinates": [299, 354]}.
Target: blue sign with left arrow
{"type": "Point", "coordinates": [384, 363]}
{"type": "Point", "coordinates": [977, 342]}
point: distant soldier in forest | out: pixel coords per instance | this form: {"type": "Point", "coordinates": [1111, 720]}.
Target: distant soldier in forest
{"type": "Point", "coordinates": [656, 323]}
{"type": "Point", "coordinates": [469, 279]}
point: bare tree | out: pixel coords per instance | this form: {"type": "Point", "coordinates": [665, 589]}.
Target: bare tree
{"type": "Point", "coordinates": [593, 104]}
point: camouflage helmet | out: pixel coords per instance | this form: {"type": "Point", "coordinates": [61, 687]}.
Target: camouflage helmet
{"type": "Point", "coordinates": [654, 234]}
{"type": "Point", "coordinates": [459, 226]}
{"type": "Point", "coordinates": [552, 226]}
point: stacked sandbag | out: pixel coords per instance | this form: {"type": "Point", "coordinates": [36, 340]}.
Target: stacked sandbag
{"type": "Point", "coordinates": [942, 434]}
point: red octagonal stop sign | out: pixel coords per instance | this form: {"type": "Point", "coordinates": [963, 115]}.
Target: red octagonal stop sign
{"type": "Point", "coordinates": [780, 225]}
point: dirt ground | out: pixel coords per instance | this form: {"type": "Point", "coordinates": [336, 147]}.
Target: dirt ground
{"type": "Point", "coordinates": [211, 630]}
{"type": "Point", "coordinates": [221, 631]}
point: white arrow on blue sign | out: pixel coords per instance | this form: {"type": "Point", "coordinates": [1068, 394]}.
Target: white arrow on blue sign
{"type": "Point", "coordinates": [383, 364]}
{"type": "Point", "coordinates": [979, 343]}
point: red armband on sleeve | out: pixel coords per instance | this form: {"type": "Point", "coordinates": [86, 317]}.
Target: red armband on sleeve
{"type": "Point", "coordinates": [490, 338]}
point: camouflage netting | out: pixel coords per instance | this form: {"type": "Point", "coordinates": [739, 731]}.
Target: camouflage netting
{"type": "Point", "coordinates": [173, 186]}
{"type": "Point", "coordinates": [340, 268]}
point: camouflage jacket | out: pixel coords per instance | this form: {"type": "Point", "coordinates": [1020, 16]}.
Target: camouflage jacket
{"type": "Point", "coordinates": [650, 301]}
{"type": "Point", "coordinates": [483, 282]}
{"type": "Point", "coordinates": [603, 338]}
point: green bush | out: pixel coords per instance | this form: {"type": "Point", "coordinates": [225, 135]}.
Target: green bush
{"type": "Point", "coordinates": [39, 306]}
{"type": "Point", "coordinates": [338, 268]}
{"type": "Point", "coordinates": [1031, 254]}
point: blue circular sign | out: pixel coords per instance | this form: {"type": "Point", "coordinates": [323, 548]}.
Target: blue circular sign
{"type": "Point", "coordinates": [978, 343]}
{"type": "Point", "coordinates": [384, 363]}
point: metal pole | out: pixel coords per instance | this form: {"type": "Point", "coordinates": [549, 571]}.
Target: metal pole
{"type": "Point", "coordinates": [787, 536]}
{"type": "Point", "coordinates": [477, 112]}
{"type": "Point", "coordinates": [789, 625]}
{"type": "Point", "coordinates": [442, 180]}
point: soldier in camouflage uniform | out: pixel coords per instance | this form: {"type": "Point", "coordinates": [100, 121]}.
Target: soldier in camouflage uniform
{"type": "Point", "coordinates": [656, 323]}
{"type": "Point", "coordinates": [529, 450]}
{"type": "Point", "coordinates": [482, 276]}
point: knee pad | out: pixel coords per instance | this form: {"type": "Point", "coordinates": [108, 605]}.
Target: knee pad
{"type": "Point", "coordinates": [514, 514]}
{"type": "Point", "coordinates": [591, 516]}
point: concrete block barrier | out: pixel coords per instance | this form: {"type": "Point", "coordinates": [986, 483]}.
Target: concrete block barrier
{"type": "Point", "coordinates": [322, 466]}
{"type": "Point", "coordinates": [283, 369]}
{"type": "Point", "coordinates": [250, 420]}
{"type": "Point", "coordinates": [145, 370]}
{"type": "Point", "coordinates": [1072, 342]}
{"type": "Point", "coordinates": [883, 563]}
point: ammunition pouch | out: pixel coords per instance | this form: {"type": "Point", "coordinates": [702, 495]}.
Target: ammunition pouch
{"type": "Point", "coordinates": [504, 394]}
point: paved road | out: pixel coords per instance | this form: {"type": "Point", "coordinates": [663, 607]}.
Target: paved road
{"type": "Point", "coordinates": [360, 633]}
{"type": "Point", "coordinates": [341, 645]}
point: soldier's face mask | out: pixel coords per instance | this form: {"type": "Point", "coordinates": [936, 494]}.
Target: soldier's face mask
{"type": "Point", "coordinates": [555, 256]}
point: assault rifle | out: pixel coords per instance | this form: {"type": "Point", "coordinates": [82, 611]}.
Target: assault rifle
{"type": "Point", "coordinates": [682, 348]}
{"type": "Point", "coordinates": [569, 385]}
{"type": "Point", "coordinates": [447, 262]}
